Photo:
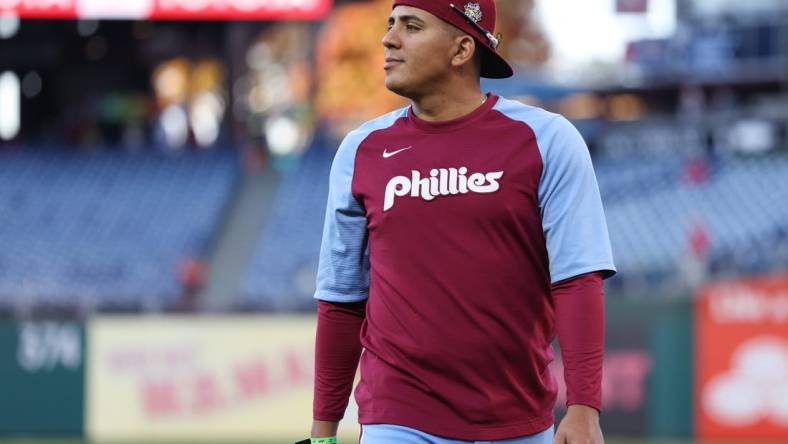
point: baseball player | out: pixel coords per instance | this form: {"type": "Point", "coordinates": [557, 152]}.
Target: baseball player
{"type": "Point", "coordinates": [462, 235]}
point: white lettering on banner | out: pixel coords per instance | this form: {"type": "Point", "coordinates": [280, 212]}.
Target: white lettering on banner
{"type": "Point", "coordinates": [138, 9]}
{"type": "Point", "coordinates": [45, 345]}
{"type": "Point", "coordinates": [754, 387]}
{"type": "Point", "coordinates": [442, 182]}
{"type": "Point", "coordinates": [240, 5]}
{"type": "Point", "coordinates": [738, 303]}
{"type": "Point", "coordinates": [65, 5]}
{"type": "Point", "coordinates": [135, 9]}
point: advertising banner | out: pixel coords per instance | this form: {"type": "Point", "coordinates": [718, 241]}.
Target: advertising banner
{"type": "Point", "coordinates": [190, 379]}
{"type": "Point", "coordinates": [42, 376]}
{"type": "Point", "coordinates": [168, 9]}
{"type": "Point", "coordinates": [742, 360]}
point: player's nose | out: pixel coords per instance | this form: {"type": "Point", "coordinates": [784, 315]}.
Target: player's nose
{"type": "Point", "coordinates": [390, 39]}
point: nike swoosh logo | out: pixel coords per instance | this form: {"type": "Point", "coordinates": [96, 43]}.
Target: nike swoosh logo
{"type": "Point", "coordinates": [387, 154]}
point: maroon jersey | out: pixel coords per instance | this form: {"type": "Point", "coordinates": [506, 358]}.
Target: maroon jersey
{"type": "Point", "coordinates": [454, 231]}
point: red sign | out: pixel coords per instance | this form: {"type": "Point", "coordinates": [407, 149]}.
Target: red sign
{"type": "Point", "coordinates": [240, 9]}
{"type": "Point", "coordinates": [742, 360]}
{"type": "Point", "coordinates": [169, 9]}
{"type": "Point", "coordinates": [56, 9]}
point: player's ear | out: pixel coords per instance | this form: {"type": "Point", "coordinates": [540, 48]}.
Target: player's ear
{"type": "Point", "coordinates": [464, 49]}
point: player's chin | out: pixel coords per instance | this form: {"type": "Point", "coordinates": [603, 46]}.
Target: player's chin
{"type": "Point", "coordinates": [396, 85]}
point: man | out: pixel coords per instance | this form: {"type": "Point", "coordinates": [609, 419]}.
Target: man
{"type": "Point", "coordinates": [462, 233]}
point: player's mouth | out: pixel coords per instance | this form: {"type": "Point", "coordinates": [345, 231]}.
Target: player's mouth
{"type": "Point", "coordinates": [391, 63]}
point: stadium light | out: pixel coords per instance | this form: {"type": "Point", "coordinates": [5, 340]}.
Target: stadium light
{"type": "Point", "coordinates": [10, 109]}
{"type": "Point", "coordinates": [282, 135]}
{"type": "Point", "coordinates": [9, 25]}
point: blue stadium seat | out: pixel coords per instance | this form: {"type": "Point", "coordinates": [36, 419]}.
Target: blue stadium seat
{"type": "Point", "coordinates": [105, 229]}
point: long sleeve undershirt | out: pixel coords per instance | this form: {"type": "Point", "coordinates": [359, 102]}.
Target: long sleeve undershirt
{"type": "Point", "coordinates": [580, 321]}
{"type": "Point", "coordinates": [337, 352]}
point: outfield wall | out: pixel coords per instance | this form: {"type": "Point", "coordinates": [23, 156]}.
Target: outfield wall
{"type": "Point", "coordinates": [250, 377]}
{"type": "Point", "coordinates": [202, 378]}
{"type": "Point", "coordinates": [42, 377]}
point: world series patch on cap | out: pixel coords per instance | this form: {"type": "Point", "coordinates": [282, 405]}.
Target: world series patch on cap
{"type": "Point", "coordinates": [477, 19]}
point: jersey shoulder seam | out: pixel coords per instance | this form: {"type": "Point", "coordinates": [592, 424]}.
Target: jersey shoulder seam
{"type": "Point", "coordinates": [370, 127]}
{"type": "Point", "coordinates": [519, 106]}
{"type": "Point", "coordinates": [364, 131]}
{"type": "Point", "coordinates": [549, 118]}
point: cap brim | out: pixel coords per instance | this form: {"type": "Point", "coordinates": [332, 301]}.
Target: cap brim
{"type": "Point", "coordinates": [493, 65]}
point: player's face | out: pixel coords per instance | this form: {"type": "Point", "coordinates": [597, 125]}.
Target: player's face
{"type": "Point", "coordinates": [418, 51]}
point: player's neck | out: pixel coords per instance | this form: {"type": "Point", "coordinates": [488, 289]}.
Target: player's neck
{"type": "Point", "coordinates": [442, 105]}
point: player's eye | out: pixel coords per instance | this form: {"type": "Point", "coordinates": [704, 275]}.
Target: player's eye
{"type": "Point", "coordinates": [411, 27]}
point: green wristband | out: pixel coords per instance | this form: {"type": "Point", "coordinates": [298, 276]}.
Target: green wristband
{"type": "Point", "coordinates": [331, 440]}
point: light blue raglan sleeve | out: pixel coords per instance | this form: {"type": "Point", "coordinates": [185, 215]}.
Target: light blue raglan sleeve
{"type": "Point", "coordinates": [343, 270]}
{"type": "Point", "coordinates": [573, 219]}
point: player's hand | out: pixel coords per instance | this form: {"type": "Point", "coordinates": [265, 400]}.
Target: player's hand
{"type": "Point", "coordinates": [579, 426]}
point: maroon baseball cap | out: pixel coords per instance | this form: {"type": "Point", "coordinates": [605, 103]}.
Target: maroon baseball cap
{"type": "Point", "coordinates": [477, 19]}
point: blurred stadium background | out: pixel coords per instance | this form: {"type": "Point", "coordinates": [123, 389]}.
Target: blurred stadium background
{"type": "Point", "coordinates": [163, 172]}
